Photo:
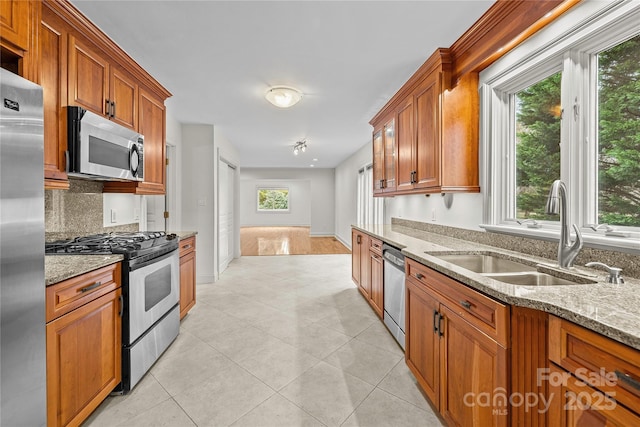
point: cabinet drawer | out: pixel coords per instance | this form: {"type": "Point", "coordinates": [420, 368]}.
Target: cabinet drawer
{"type": "Point", "coordinates": [605, 364]}
{"type": "Point", "coordinates": [375, 246]}
{"type": "Point", "coordinates": [72, 293]}
{"type": "Point", "coordinates": [488, 315]}
{"type": "Point", "coordinates": [187, 245]}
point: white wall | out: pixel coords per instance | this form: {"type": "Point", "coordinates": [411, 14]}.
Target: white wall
{"type": "Point", "coordinates": [174, 140]}
{"type": "Point", "coordinates": [198, 194]}
{"type": "Point", "coordinates": [321, 196]}
{"type": "Point", "coordinates": [465, 210]}
{"type": "Point", "coordinates": [346, 187]}
{"type": "Point", "coordinates": [299, 213]}
{"type": "Point", "coordinates": [126, 208]}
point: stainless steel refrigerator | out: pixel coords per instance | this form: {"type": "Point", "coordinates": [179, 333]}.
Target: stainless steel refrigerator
{"type": "Point", "coordinates": [22, 322]}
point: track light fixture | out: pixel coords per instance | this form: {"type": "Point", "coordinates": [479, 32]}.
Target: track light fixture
{"type": "Point", "coordinates": [300, 146]}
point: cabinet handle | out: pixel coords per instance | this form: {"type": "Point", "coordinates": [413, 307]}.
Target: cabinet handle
{"type": "Point", "coordinates": [466, 304]}
{"type": "Point", "coordinates": [188, 246]}
{"type": "Point", "coordinates": [358, 237]}
{"type": "Point", "coordinates": [440, 329]}
{"type": "Point", "coordinates": [113, 109]}
{"type": "Point", "coordinates": [108, 107]}
{"type": "Point", "coordinates": [628, 379]}
{"type": "Point", "coordinates": [88, 288]}
{"type": "Point", "coordinates": [419, 276]}
{"type": "Point", "coordinates": [121, 300]}
{"type": "Point", "coordinates": [435, 320]}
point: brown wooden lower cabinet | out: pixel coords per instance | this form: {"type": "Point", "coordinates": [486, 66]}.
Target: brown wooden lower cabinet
{"type": "Point", "coordinates": [367, 269]}
{"type": "Point", "coordinates": [460, 368]}
{"type": "Point", "coordinates": [187, 275]}
{"type": "Point", "coordinates": [84, 344]}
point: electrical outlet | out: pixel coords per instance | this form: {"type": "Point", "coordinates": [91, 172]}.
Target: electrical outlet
{"type": "Point", "coordinates": [433, 214]}
{"type": "Point", "coordinates": [202, 201]}
{"type": "Point", "coordinates": [136, 213]}
{"type": "Point", "coordinates": [113, 215]}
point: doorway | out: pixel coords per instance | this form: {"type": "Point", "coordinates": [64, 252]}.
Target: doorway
{"type": "Point", "coordinates": [226, 212]}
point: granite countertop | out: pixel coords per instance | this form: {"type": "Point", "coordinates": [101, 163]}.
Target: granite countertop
{"type": "Point", "coordinates": [611, 310]}
{"type": "Point", "coordinates": [183, 234]}
{"type": "Point", "coordinates": [62, 267]}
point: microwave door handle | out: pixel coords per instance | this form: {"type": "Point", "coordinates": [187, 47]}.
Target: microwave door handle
{"type": "Point", "coordinates": [132, 152]}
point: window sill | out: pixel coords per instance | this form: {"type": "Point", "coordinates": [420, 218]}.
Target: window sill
{"type": "Point", "coordinates": [622, 244]}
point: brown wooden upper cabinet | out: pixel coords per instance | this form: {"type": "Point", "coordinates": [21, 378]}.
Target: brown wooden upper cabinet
{"type": "Point", "coordinates": [435, 135]}
{"type": "Point", "coordinates": [80, 66]}
{"type": "Point", "coordinates": [100, 87]}
{"type": "Point", "coordinates": [384, 154]}
{"type": "Point", "coordinates": [14, 23]}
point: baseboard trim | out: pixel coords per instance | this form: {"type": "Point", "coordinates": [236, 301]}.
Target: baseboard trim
{"type": "Point", "coordinates": [347, 244]}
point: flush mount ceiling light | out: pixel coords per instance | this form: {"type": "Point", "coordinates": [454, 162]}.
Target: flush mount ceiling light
{"type": "Point", "coordinates": [300, 146]}
{"type": "Point", "coordinates": [283, 96]}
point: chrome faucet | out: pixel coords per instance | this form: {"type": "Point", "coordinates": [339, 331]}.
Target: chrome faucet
{"type": "Point", "coordinates": [557, 204]}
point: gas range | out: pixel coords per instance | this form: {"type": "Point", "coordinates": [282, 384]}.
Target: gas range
{"type": "Point", "coordinates": [150, 293]}
{"type": "Point", "coordinates": [141, 246]}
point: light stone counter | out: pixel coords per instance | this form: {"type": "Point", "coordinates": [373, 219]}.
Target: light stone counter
{"type": "Point", "coordinates": [611, 310]}
{"type": "Point", "coordinates": [183, 234]}
{"type": "Point", "coordinates": [62, 267]}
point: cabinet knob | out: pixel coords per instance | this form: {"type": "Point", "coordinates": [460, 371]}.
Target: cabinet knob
{"type": "Point", "coordinates": [466, 304]}
{"type": "Point", "coordinates": [419, 276]}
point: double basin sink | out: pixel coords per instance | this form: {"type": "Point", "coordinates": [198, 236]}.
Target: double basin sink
{"type": "Point", "coordinates": [509, 271]}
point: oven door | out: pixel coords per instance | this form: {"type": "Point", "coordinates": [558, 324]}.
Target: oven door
{"type": "Point", "coordinates": [154, 289]}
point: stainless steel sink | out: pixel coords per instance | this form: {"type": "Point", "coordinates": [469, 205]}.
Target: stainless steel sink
{"type": "Point", "coordinates": [482, 263]}
{"type": "Point", "coordinates": [533, 279]}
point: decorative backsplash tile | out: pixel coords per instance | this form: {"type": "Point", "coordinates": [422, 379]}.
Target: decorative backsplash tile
{"type": "Point", "coordinates": [629, 263]}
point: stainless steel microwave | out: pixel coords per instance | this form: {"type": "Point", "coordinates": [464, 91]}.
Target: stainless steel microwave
{"type": "Point", "coordinates": [101, 149]}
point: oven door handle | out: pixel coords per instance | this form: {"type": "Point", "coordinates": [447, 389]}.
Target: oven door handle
{"type": "Point", "coordinates": [137, 266]}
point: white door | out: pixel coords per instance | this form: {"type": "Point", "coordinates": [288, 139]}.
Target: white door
{"type": "Point", "coordinates": [226, 199]}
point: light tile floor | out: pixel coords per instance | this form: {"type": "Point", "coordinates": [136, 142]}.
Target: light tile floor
{"type": "Point", "coordinates": [277, 341]}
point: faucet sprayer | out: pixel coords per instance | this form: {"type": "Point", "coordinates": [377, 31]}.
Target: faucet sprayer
{"type": "Point", "coordinates": [557, 204]}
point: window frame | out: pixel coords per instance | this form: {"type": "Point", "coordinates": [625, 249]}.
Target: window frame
{"type": "Point", "coordinates": [569, 44]}
{"type": "Point", "coordinates": [272, 188]}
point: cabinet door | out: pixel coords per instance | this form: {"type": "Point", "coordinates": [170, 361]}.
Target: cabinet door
{"type": "Point", "coordinates": [428, 118]}
{"type": "Point", "coordinates": [356, 242]}
{"type": "Point", "coordinates": [187, 283]}
{"type": "Point", "coordinates": [474, 369]}
{"type": "Point", "coordinates": [124, 95]}
{"type": "Point", "coordinates": [14, 22]}
{"type": "Point", "coordinates": [575, 404]}
{"type": "Point", "coordinates": [151, 121]}
{"type": "Point", "coordinates": [88, 77]}
{"type": "Point", "coordinates": [390, 152]}
{"type": "Point", "coordinates": [377, 277]}
{"type": "Point", "coordinates": [365, 266]}
{"type": "Point", "coordinates": [53, 42]}
{"type": "Point", "coordinates": [378, 162]}
{"type": "Point", "coordinates": [83, 359]}
{"type": "Point", "coordinates": [422, 345]}
{"type": "Point", "coordinates": [406, 146]}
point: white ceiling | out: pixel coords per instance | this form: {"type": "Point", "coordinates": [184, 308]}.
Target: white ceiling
{"type": "Point", "coordinates": [218, 58]}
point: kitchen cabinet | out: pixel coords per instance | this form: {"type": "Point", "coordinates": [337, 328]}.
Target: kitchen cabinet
{"type": "Point", "coordinates": [595, 370]}
{"type": "Point", "coordinates": [436, 130]}
{"type": "Point", "coordinates": [84, 343]}
{"type": "Point", "coordinates": [385, 158]}
{"type": "Point", "coordinates": [100, 87]}
{"type": "Point", "coordinates": [376, 295]}
{"type": "Point", "coordinates": [456, 346]}
{"type": "Point", "coordinates": [187, 275]}
{"type": "Point", "coordinates": [367, 269]}
{"type": "Point", "coordinates": [360, 265]}
{"type": "Point", "coordinates": [14, 23]}
{"type": "Point", "coordinates": [79, 65]}
{"type": "Point", "coordinates": [53, 41]}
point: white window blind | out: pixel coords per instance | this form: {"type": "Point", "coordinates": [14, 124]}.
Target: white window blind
{"type": "Point", "coordinates": [370, 210]}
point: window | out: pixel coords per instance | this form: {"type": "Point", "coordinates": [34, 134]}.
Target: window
{"type": "Point", "coordinates": [370, 210]}
{"type": "Point", "coordinates": [565, 104]}
{"type": "Point", "coordinates": [273, 199]}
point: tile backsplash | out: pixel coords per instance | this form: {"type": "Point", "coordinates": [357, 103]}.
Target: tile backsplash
{"type": "Point", "coordinates": [628, 262]}
{"type": "Point", "coordinates": [77, 211]}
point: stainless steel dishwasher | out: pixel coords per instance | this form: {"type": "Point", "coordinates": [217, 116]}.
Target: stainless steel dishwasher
{"type": "Point", "coordinates": [394, 292]}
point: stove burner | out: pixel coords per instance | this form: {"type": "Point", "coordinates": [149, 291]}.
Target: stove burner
{"type": "Point", "coordinates": [130, 245]}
